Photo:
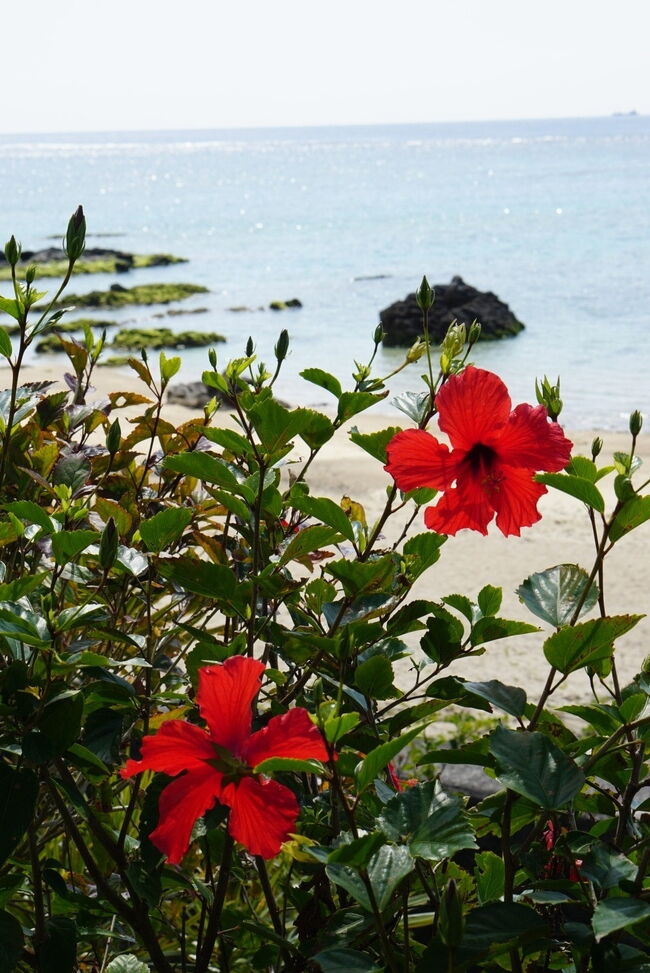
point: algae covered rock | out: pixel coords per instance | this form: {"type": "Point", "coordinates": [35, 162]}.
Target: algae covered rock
{"type": "Point", "coordinates": [151, 338]}
{"type": "Point", "coordinates": [143, 294]}
{"type": "Point", "coordinates": [52, 262]}
{"type": "Point", "coordinates": [283, 305]}
{"type": "Point", "coordinates": [456, 301]}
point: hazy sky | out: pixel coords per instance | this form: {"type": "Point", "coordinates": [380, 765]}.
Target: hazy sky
{"type": "Point", "coordinates": [151, 64]}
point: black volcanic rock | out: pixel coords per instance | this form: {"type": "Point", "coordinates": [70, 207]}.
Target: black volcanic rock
{"type": "Point", "coordinates": [456, 301]}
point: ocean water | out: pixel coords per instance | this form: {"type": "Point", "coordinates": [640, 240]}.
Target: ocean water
{"type": "Point", "coordinates": [551, 215]}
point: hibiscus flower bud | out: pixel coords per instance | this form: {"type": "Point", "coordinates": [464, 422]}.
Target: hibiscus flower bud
{"type": "Point", "coordinates": [596, 447]}
{"type": "Point", "coordinates": [548, 395]}
{"type": "Point", "coordinates": [75, 238]}
{"type": "Point", "coordinates": [12, 251]}
{"type": "Point", "coordinates": [636, 421]}
{"type": "Point", "coordinates": [474, 333]}
{"type": "Point", "coordinates": [417, 349]}
{"type": "Point", "coordinates": [282, 346]}
{"type": "Point", "coordinates": [378, 336]}
{"type": "Point", "coordinates": [212, 358]}
{"type": "Point", "coordinates": [424, 295]}
{"type": "Point", "coordinates": [30, 274]}
{"type": "Point", "coordinates": [451, 915]}
{"type": "Point", "coordinates": [250, 347]}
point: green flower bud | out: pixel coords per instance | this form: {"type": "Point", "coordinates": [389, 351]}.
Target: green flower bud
{"type": "Point", "coordinates": [75, 238]}
{"type": "Point", "coordinates": [417, 349]}
{"type": "Point", "coordinates": [424, 295]}
{"type": "Point", "coordinates": [212, 358]}
{"type": "Point", "coordinates": [636, 421]}
{"type": "Point", "coordinates": [451, 916]}
{"type": "Point", "coordinates": [282, 346]}
{"type": "Point", "coordinates": [250, 347]}
{"type": "Point", "coordinates": [108, 545]}
{"type": "Point", "coordinates": [30, 274]}
{"type": "Point", "coordinates": [114, 437]}
{"type": "Point", "coordinates": [548, 395]}
{"type": "Point", "coordinates": [596, 447]}
{"type": "Point", "coordinates": [378, 336]}
{"type": "Point", "coordinates": [12, 251]}
{"type": "Point", "coordinates": [474, 332]}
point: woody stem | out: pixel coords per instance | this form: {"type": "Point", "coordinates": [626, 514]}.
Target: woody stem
{"type": "Point", "coordinates": [212, 929]}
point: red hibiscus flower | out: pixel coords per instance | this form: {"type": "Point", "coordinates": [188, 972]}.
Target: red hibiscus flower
{"type": "Point", "coordinates": [494, 456]}
{"type": "Point", "coordinates": [217, 763]}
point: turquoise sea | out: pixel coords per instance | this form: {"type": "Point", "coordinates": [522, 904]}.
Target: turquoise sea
{"type": "Point", "coordinates": [551, 215]}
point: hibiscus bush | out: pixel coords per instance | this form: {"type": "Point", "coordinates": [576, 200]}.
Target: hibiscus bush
{"type": "Point", "coordinates": [219, 691]}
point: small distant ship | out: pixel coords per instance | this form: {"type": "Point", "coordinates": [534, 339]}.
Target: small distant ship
{"type": "Point", "coordinates": [624, 114]}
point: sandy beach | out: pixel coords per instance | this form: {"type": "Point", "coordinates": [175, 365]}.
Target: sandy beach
{"type": "Point", "coordinates": [469, 560]}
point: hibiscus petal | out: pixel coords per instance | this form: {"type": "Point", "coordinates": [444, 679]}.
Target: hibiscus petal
{"type": "Point", "coordinates": [224, 698]}
{"type": "Point", "coordinates": [472, 407]}
{"type": "Point", "coordinates": [529, 440]}
{"type": "Point", "coordinates": [291, 735]}
{"type": "Point", "coordinates": [417, 459]}
{"type": "Point", "coordinates": [181, 804]}
{"type": "Point", "coordinates": [177, 746]}
{"type": "Point", "coordinates": [464, 506]}
{"type": "Point", "coordinates": [263, 815]}
{"type": "Point", "coordinates": [516, 500]}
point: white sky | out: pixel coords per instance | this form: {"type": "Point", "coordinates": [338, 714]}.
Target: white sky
{"type": "Point", "coordinates": [80, 65]}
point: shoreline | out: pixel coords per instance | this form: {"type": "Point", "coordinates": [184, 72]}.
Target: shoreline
{"type": "Point", "coordinates": [469, 560]}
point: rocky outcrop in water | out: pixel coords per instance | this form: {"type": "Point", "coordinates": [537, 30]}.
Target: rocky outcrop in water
{"type": "Point", "coordinates": [456, 301]}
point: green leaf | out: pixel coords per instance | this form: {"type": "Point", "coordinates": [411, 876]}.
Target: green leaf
{"type": "Point", "coordinates": [386, 870]}
{"type": "Point", "coordinates": [377, 759]}
{"type": "Point", "coordinates": [58, 953]}
{"type": "Point", "coordinates": [489, 629]}
{"type": "Point", "coordinates": [200, 577]}
{"type": "Point", "coordinates": [433, 823]}
{"type": "Point", "coordinates": [31, 513]}
{"type": "Point", "coordinates": [11, 942]}
{"type": "Point", "coordinates": [323, 509]}
{"type": "Point", "coordinates": [72, 470]}
{"type": "Point", "coordinates": [510, 699]}
{"type": "Point", "coordinates": [532, 765]}
{"type": "Point", "coordinates": [374, 678]}
{"type": "Point", "coordinates": [375, 443]}
{"type": "Point", "coordinates": [423, 550]}
{"type": "Point", "coordinates": [443, 638]}
{"type": "Point", "coordinates": [581, 645]}
{"type": "Point", "coordinates": [576, 487]}
{"type": "Point", "coordinates": [68, 544]}
{"type": "Point", "coordinates": [275, 425]}
{"type": "Point", "coordinates": [25, 626]}
{"type": "Point", "coordinates": [317, 429]}
{"type": "Point", "coordinates": [345, 961]}
{"type": "Point", "coordinates": [489, 599]}
{"type": "Point", "coordinates": [553, 595]}
{"type": "Point", "coordinates": [501, 922]}
{"type": "Point", "coordinates": [203, 467]}
{"type": "Point", "coordinates": [358, 577]}
{"type": "Point", "coordinates": [584, 468]}
{"type": "Point", "coordinates": [337, 726]}
{"type": "Point", "coordinates": [607, 867]}
{"type": "Point", "coordinates": [18, 793]}
{"type": "Point", "coordinates": [60, 721]}
{"type": "Point", "coordinates": [611, 915]}
{"type": "Point", "coordinates": [289, 765]}
{"type": "Point", "coordinates": [165, 528]}
{"type": "Point", "coordinates": [326, 381]}
{"type": "Point", "coordinates": [127, 963]}
{"type": "Point", "coordinates": [359, 851]}
{"type": "Point", "coordinates": [307, 540]}
{"type": "Point", "coordinates": [14, 590]}
{"type": "Point", "coordinates": [10, 307]}
{"type": "Point", "coordinates": [412, 404]}
{"type": "Point", "coordinates": [232, 441]}
{"type": "Point", "coordinates": [168, 367]}
{"type": "Point", "coordinates": [632, 513]}
{"type": "Point", "coordinates": [351, 403]}
{"type": "Point", "coordinates": [471, 754]}
{"type": "Point", "coordinates": [490, 877]}
{"type": "Point", "coordinates": [82, 615]}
